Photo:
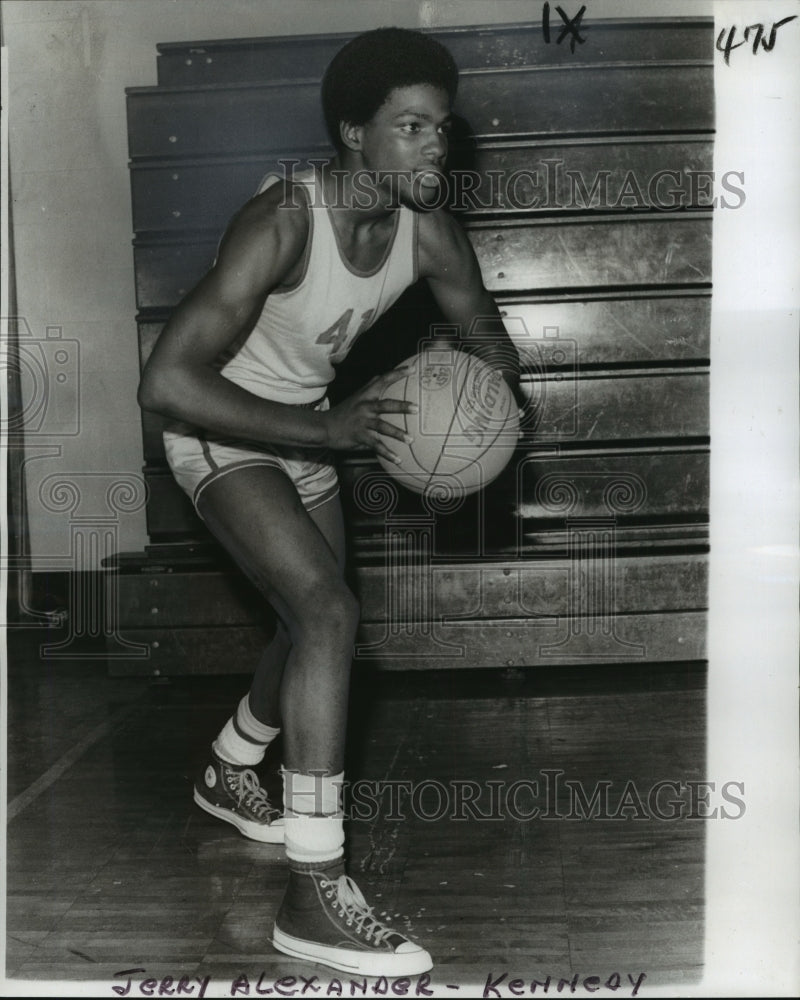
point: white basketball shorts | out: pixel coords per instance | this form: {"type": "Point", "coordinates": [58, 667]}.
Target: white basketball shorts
{"type": "Point", "coordinates": [198, 458]}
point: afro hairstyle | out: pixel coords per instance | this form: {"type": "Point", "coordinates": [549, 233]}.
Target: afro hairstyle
{"type": "Point", "coordinates": [363, 73]}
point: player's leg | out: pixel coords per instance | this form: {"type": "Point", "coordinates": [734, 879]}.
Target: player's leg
{"type": "Point", "coordinates": [290, 556]}
{"type": "Point", "coordinates": [264, 696]}
{"type": "Point", "coordinates": [242, 742]}
{"type": "Point", "coordinates": [259, 518]}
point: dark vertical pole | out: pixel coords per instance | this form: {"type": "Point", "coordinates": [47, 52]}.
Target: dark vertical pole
{"type": "Point", "coordinates": [14, 558]}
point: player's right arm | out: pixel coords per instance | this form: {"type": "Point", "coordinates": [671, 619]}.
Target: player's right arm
{"type": "Point", "coordinates": [261, 249]}
{"type": "Point", "coordinates": [180, 380]}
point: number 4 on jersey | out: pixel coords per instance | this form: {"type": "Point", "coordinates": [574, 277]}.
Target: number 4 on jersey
{"type": "Point", "coordinates": [336, 334]}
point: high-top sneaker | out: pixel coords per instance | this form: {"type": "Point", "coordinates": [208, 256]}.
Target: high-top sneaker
{"type": "Point", "coordinates": [234, 794]}
{"type": "Point", "coordinates": [325, 918]}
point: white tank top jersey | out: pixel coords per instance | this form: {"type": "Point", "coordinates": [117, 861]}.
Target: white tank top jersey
{"type": "Point", "coordinates": [305, 329]}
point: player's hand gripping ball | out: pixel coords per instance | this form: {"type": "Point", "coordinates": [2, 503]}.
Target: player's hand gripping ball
{"type": "Point", "coordinates": [465, 430]}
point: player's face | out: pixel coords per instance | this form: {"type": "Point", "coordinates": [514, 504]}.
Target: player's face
{"type": "Point", "coordinates": [405, 144]}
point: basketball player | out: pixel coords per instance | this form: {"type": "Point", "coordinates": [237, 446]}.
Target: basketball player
{"type": "Point", "coordinates": [241, 369]}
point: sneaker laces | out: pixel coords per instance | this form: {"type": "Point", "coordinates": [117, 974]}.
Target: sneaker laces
{"type": "Point", "coordinates": [352, 905]}
{"type": "Point", "coordinates": [245, 785]}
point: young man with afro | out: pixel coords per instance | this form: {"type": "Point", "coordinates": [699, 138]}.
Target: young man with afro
{"type": "Point", "coordinates": [241, 370]}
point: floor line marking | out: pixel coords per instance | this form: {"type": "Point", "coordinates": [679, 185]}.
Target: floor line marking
{"type": "Point", "coordinates": [21, 802]}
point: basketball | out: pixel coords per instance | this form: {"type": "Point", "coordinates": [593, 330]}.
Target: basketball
{"type": "Point", "coordinates": [466, 428]}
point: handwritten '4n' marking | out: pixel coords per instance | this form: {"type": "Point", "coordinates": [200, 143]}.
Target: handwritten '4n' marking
{"type": "Point", "coordinates": [757, 30]}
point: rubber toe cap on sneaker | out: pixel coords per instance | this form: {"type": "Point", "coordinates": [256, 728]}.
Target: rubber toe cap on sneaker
{"type": "Point", "coordinates": [408, 948]}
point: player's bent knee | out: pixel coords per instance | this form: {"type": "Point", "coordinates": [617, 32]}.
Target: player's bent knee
{"type": "Point", "coordinates": [339, 609]}
{"type": "Point", "coordinates": [329, 611]}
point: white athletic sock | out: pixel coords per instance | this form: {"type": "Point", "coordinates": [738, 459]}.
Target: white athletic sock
{"type": "Point", "coordinates": [243, 740]}
{"type": "Point", "coordinates": [313, 817]}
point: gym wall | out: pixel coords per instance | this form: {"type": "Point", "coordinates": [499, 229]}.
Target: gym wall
{"type": "Point", "coordinates": [70, 63]}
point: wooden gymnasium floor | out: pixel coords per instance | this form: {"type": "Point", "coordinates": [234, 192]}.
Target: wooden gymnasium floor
{"type": "Point", "coordinates": [111, 867]}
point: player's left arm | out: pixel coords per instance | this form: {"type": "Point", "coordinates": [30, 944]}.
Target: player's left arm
{"type": "Point", "coordinates": [448, 262]}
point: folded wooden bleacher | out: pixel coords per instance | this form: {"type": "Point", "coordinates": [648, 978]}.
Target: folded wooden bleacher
{"type": "Point", "coordinates": [592, 225]}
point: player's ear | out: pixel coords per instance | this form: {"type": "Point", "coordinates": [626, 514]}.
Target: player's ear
{"type": "Point", "coordinates": [351, 135]}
